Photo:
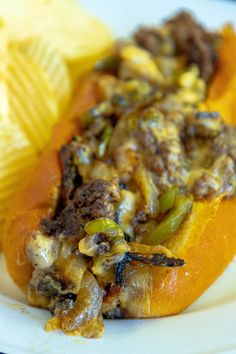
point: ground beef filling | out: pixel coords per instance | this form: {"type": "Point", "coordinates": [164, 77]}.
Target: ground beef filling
{"type": "Point", "coordinates": [129, 179]}
{"type": "Point", "coordinates": [188, 38]}
{"type": "Point", "coordinates": [90, 201]}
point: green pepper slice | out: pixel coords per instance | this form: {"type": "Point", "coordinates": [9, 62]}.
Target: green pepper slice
{"type": "Point", "coordinates": [89, 116]}
{"type": "Point", "coordinates": [167, 199]}
{"type": "Point", "coordinates": [102, 147]}
{"type": "Point", "coordinates": [111, 229]}
{"type": "Point", "coordinates": [158, 233]}
{"type": "Point", "coordinates": [108, 63]}
{"type": "Point", "coordinates": [103, 225]}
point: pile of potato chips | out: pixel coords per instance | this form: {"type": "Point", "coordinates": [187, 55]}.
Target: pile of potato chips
{"type": "Point", "coordinates": [44, 46]}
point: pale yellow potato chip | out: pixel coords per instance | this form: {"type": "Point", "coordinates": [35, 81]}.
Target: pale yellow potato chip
{"type": "Point", "coordinates": [44, 46]}
{"type": "Point", "coordinates": [53, 66]}
{"type": "Point", "coordinates": [16, 156]}
{"type": "Point", "coordinates": [64, 24]}
{"type": "Point", "coordinates": [26, 97]}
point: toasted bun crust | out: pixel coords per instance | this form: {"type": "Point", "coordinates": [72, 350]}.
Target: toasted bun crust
{"type": "Point", "coordinates": [206, 241]}
{"type": "Point", "coordinates": [37, 197]}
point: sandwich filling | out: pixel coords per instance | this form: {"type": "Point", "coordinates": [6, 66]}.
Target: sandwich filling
{"type": "Point", "coordinates": [147, 150]}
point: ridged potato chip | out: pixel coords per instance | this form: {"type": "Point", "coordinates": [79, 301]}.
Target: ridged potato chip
{"type": "Point", "coordinates": [44, 46]}
{"type": "Point", "coordinates": [29, 101]}
{"type": "Point", "coordinates": [53, 65]}
{"type": "Point", "coordinates": [16, 156]}
{"type": "Point", "coordinates": [65, 25]}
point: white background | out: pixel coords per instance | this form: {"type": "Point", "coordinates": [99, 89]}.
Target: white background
{"type": "Point", "coordinates": [208, 326]}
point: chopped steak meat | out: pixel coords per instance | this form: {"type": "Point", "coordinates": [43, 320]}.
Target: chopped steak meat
{"type": "Point", "coordinates": [155, 40]}
{"type": "Point", "coordinates": [95, 200]}
{"type": "Point", "coordinates": [205, 127]}
{"type": "Point", "coordinates": [195, 42]}
{"type": "Point", "coordinates": [91, 201]}
{"type": "Point", "coordinates": [182, 35]}
{"type": "Point", "coordinates": [67, 222]}
{"type": "Point", "coordinates": [70, 174]}
{"type": "Point", "coordinates": [102, 244]}
{"type": "Point", "coordinates": [225, 142]}
{"type": "Point", "coordinates": [144, 153]}
{"type": "Point", "coordinates": [49, 283]}
{"type": "Point", "coordinates": [206, 186]}
{"type": "Point", "coordinates": [163, 153]}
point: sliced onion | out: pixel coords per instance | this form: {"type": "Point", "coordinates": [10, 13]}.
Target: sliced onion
{"type": "Point", "coordinates": [144, 180]}
{"type": "Point", "coordinates": [125, 211]}
{"type": "Point", "coordinates": [85, 316]}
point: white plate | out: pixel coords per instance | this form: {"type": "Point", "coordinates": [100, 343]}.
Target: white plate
{"type": "Point", "coordinates": [208, 326]}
